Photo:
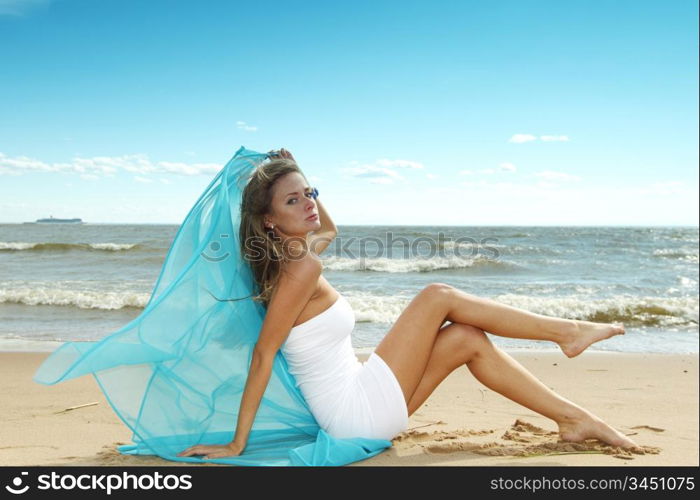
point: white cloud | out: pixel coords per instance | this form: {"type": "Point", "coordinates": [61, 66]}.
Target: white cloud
{"type": "Point", "coordinates": [7, 171]}
{"type": "Point", "coordinates": [381, 171]}
{"type": "Point", "coordinates": [502, 167]}
{"type": "Point", "coordinates": [105, 166]}
{"type": "Point", "coordinates": [138, 178]}
{"type": "Point", "coordinates": [557, 176]}
{"type": "Point", "coordinates": [520, 138]}
{"type": "Point", "coordinates": [374, 174]}
{"type": "Point", "coordinates": [398, 163]}
{"type": "Point", "coordinates": [189, 168]}
{"type": "Point", "coordinates": [241, 125]}
{"type": "Point", "coordinates": [11, 165]}
{"type": "Point", "coordinates": [554, 138]}
{"type": "Point", "coordinates": [89, 177]}
{"type": "Point", "coordinates": [431, 176]}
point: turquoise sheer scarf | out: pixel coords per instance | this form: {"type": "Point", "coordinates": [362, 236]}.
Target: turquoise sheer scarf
{"type": "Point", "coordinates": [175, 374]}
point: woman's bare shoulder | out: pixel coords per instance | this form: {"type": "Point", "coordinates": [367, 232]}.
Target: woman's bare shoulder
{"type": "Point", "coordinates": [308, 265]}
{"type": "Point", "coordinates": [299, 277]}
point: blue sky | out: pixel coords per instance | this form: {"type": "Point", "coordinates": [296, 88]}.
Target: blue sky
{"type": "Point", "coordinates": [526, 112]}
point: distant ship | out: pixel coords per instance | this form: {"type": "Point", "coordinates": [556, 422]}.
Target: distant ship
{"type": "Point", "coordinates": [52, 220]}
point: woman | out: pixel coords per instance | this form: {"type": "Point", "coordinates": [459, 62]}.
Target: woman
{"type": "Point", "coordinates": [283, 229]}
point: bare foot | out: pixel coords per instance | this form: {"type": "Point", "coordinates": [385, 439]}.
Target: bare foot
{"type": "Point", "coordinates": [591, 427]}
{"type": "Point", "coordinates": [584, 333]}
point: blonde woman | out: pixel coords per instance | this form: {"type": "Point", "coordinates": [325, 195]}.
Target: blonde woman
{"type": "Point", "coordinates": [284, 227]}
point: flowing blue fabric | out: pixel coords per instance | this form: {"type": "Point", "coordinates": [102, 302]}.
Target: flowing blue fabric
{"type": "Point", "coordinates": [175, 374]}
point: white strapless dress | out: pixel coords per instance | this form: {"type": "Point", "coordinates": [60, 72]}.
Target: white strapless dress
{"type": "Point", "coordinates": [347, 398]}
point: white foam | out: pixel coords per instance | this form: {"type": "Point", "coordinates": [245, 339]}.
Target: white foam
{"type": "Point", "coordinates": [662, 311]}
{"type": "Point", "coordinates": [112, 246]}
{"type": "Point", "coordinates": [659, 311]}
{"type": "Point", "coordinates": [84, 299]}
{"type": "Point", "coordinates": [687, 254]}
{"type": "Point", "coordinates": [376, 308]}
{"type": "Point", "coordinates": [27, 345]}
{"type": "Point", "coordinates": [687, 282]}
{"type": "Point", "coordinates": [386, 265]}
{"type": "Point", "coordinates": [21, 245]}
{"type": "Point", "coordinates": [16, 245]}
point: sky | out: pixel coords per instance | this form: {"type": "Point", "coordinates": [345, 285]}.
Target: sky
{"type": "Point", "coordinates": [498, 112]}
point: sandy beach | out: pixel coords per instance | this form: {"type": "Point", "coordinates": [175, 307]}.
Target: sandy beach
{"type": "Point", "coordinates": [651, 397]}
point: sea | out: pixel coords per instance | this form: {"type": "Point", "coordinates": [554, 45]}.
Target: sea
{"type": "Point", "coordinates": [82, 282]}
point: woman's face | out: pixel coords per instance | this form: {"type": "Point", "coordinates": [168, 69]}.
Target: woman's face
{"type": "Point", "coordinates": [292, 205]}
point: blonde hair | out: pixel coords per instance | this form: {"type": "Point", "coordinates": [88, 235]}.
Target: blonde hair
{"type": "Point", "coordinates": [268, 256]}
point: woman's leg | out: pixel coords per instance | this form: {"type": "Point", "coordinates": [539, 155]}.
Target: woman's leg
{"type": "Point", "coordinates": [572, 336]}
{"type": "Point", "coordinates": [459, 344]}
{"type": "Point", "coordinates": [408, 345]}
{"type": "Point", "coordinates": [500, 372]}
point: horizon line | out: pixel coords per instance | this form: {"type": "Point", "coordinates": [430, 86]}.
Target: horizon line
{"type": "Point", "coordinates": [390, 225]}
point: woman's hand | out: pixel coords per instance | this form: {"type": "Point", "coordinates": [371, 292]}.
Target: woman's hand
{"type": "Point", "coordinates": [283, 153]}
{"type": "Point", "coordinates": [232, 449]}
{"type": "Point", "coordinates": [286, 154]}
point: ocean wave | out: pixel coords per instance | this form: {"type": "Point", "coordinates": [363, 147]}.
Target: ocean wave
{"type": "Point", "coordinates": [474, 248]}
{"type": "Point", "coordinates": [9, 246]}
{"type": "Point", "coordinates": [679, 312]}
{"type": "Point", "coordinates": [516, 235]}
{"type": "Point", "coordinates": [371, 308]}
{"type": "Point", "coordinates": [422, 265]}
{"type": "Point", "coordinates": [686, 282]}
{"type": "Point", "coordinates": [83, 299]}
{"type": "Point", "coordinates": [630, 310]}
{"type": "Point", "coordinates": [633, 311]}
{"type": "Point", "coordinates": [685, 254]}
{"type": "Point", "coordinates": [451, 244]}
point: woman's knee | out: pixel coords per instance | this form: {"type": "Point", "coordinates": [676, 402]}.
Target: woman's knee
{"type": "Point", "coordinates": [436, 291]}
{"type": "Point", "coordinates": [472, 341]}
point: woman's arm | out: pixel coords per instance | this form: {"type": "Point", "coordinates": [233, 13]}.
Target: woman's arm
{"type": "Point", "coordinates": [296, 285]}
{"type": "Point", "coordinates": [319, 240]}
